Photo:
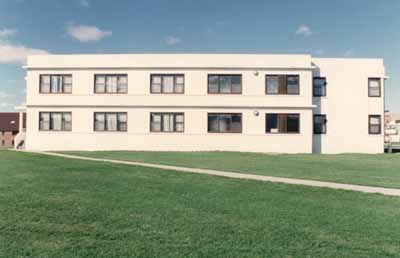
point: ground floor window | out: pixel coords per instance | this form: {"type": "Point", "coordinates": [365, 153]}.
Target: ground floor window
{"type": "Point", "coordinates": [282, 123]}
{"type": "Point", "coordinates": [111, 121]}
{"type": "Point", "coordinates": [224, 122]}
{"type": "Point", "coordinates": [167, 122]}
{"type": "Point", "coordinates": [374, 124]}
{"type": "Point", "coordinates": [320, 124]}
{"type": "Point", "coordinates": [55, 121]}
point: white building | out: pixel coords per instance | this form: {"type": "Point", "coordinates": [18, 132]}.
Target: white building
{"type": "Point", "coordinates": [195, 102]}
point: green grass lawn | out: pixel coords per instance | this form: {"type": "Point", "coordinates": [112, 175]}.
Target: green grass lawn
{"type": "Point", "coordinates": [373, 170]}
{"type": "Point", "coordinates": [56, 207]}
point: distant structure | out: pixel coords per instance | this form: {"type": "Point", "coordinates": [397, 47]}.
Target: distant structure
{"type": "Point", "coordinates": [392, 127]}
{"type": "Point", "coordinates": [9, 128]}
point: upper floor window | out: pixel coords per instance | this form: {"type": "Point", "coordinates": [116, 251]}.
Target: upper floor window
{"type": "Point", "coordinates": [282, 84]}
{"type": "Point", "coordinates": [374, 87]}
{"type": "Point", "coordinates": [282, 123]}
{"type": "Point", "coordinates": [167, 122]}
{"type": "Point", "coordinates": [319, 86]}
{"type": "Point", "coordinates": [224, 84]}
{"type": "Point", "coordinates": [55, 121]}
{"type": "Point", "coordinates": [224, 123]}
{"type": "Point", "coordinates": [111, 121]}
{"type": "Point", "coordinates": [320, 124]}
{"type": "Point", "coordinates": [110, 83]}
{"type": "Point", "coordinates": [60, 83]}
{"type": "Point", "coordinates": [167, 83]}
{"type": "Point", "coordinates": [374, 124]}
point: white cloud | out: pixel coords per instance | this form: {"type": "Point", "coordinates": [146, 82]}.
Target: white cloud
{"type": "Point", "coordinates": [5, 95]}
{"type": "Point", "coordinates": [84, 3]}
{"type": "Point", "coordinates": [12, 81]}
{"type": "Point", "coordinates": [5, 104]}
{"type": "Point", "coordinates": [14, 54]}
{"type": "Point", "coordinates": [171, 40]}
{"type": "Point", "coordinates": [304, 30]}
{"type": "Point", "coordinates": [86, 33]}
{"type": "Point", "coordinates": [5, 100]}
{"type": "Point", "coordinates": [5, 32]}
{"type": "Point", "coordinates": [349, 52]}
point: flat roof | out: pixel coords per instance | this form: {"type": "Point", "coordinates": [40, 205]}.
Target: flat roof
{"type": "Point", "coordinates": [169, 61]}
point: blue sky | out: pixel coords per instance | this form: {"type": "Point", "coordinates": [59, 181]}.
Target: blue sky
{"type": "Point", "coordinates": [346, 28]}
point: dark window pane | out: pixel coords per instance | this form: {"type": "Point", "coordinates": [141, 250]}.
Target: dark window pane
{"type": "Point", "coordinates": [236, 125]}
{"type": "Point", "coordinates": [319, 87]}
{"type": "Point", "coordinates": [293, 124]}
{"type": "Point", "coordinates": [292, 84]}
{"type": "Point", "coordinates": [271, 123]}
{"type": "Point", "coordinates": [319, 124]}
{"type": "Point", "coordinates": [213, 123]}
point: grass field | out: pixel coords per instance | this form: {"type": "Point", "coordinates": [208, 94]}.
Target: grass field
{"type": "Point", "coordinates": [56, 207]}
{"type": "Point", "coordinates": [372, 170]}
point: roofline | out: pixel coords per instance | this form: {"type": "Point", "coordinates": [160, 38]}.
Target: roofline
{"type": "Point", "coordinates": [169, 68]}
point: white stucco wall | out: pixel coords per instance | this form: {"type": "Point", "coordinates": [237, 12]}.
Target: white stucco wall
{"type": "Point", "coordinates": [195, 137]}
{"type": "Point", "coordinates": [348, 106]}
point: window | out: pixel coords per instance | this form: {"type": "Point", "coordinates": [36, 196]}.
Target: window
{"type": "Point", "coordinates": [282, 123]}
{"type": "Point", "coordinates": [55, 83]}
{"type": "Point", "coordinates": [374, 124]}
{"type": "Point", "coordinates": [111, 121]}
{"type": "Point", "coordinates": [282, 84]}
{"type": "Point", "coordinates": [110, 83]}
{"type": "Point", "coordinates": [167, 83]}
{"type": "Point", "coordinates": [320, 124]}
{"type": "Point", "coordinates": [319, 86]}
{"type": "Point", "coordinates": [167, 122]}
{"type": "Point", "coordinates": [224, 84]}
{"type": "Point", "coordinates": [224, 123]}
{"type": "Point", "coordinates": [14, 132]}
{"type": "Point", "coordinates": [374, 87]}
{"type": "Point", "coordinates": [55, 121]}
{"type": "Point", "coordinates": [2, 142]}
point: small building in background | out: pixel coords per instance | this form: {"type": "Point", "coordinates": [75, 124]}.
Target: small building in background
{"type": "Point", "coordinates": [9, 128]}
{"type": "Point", "coordinates": [392, 127]}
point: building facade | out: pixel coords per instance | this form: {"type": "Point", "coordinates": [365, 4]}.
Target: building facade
{"type": "Point", "coordinates": [198, 102]}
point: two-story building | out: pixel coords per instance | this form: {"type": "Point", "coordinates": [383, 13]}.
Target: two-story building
{"type": "Point", "coordinates": [197, 102]}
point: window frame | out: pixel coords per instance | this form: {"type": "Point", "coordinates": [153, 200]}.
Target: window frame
{"type": "Point", "coordinates": [219, 84]}
{"type": "Point", "coordinates": [369, 124]}
{"type": "Point", "coordinates": [162, 75]}
{"type": "Point", "coordinates": [286, 82]}
{"type": "Point", "coordinates": [380, 87]}
{"type": "Point", "coordinates": [105, 122]}
{"type": "Point", "coordinates": [323, 126]}
{"type": "Point", "coordinates": [283, 114]}
{"type": "Point", "coordinates": [53, 75]}
{"type": "Point", "coordinates": [319, 78]}
{"type": "Point", "coordinates": [174, 114]}
{"type": "Point", "coordinates": [50, 123]}
{"type": "Point", "coordinates": [224, 114]}
{"type": "Point", "coordinates": [105, 79]}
